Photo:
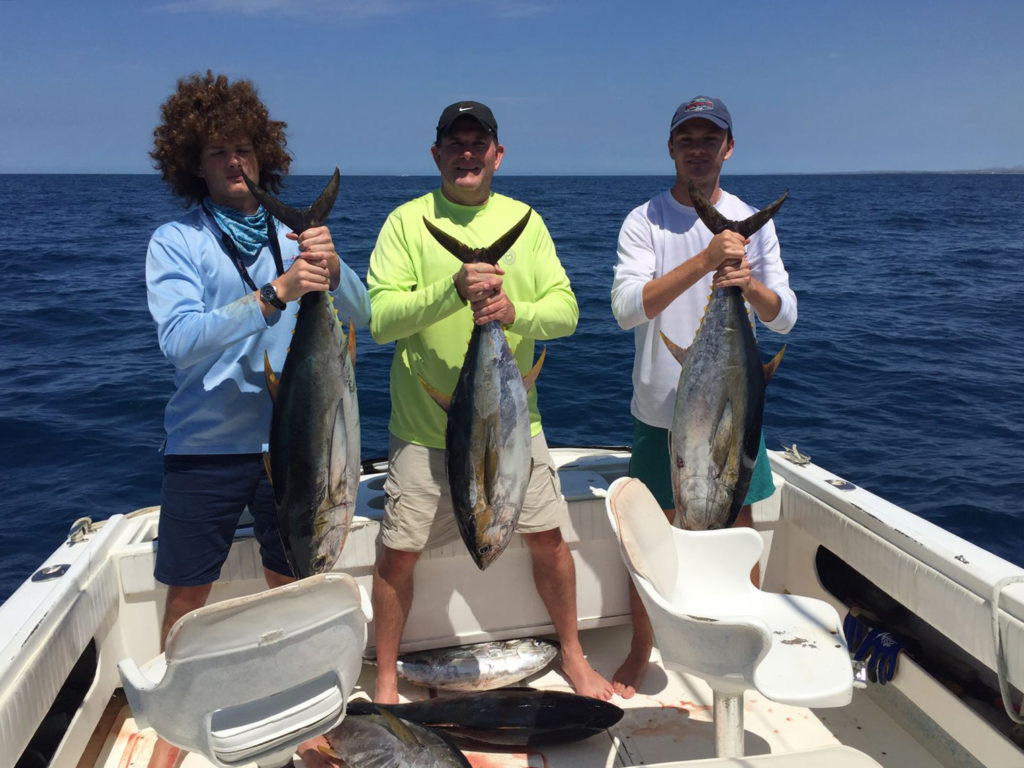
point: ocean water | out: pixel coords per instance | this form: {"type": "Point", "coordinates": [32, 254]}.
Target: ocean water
{"type": "Point", "coordinates": [903, 373]}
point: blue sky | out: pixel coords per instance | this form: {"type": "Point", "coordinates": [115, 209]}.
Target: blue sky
{"type": "Point", "coordinates": [577, 87]}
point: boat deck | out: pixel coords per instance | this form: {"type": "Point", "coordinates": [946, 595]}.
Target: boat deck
{"type": "Point", "coordinates": [668, 720]}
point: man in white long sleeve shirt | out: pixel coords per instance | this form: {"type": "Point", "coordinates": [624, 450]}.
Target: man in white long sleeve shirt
{"type": "Point", "coordinates": [668, 264]}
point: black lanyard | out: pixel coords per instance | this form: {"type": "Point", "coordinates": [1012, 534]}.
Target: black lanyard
{"type": "Point", "coordinates": [236, 257]}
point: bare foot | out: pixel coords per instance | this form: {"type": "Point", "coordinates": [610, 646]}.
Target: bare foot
{"type": "Point", "coordinates": [585, 679]}
{"type": "Point", "coordinates": [312, 754]}
{"type": "Point", "coordinates": [627, 678]}
{"type": "Point", "coordinates": [164, 755]}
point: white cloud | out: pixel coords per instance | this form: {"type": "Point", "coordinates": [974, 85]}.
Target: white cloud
{"type": "Point", "coordinates": [326, 10]}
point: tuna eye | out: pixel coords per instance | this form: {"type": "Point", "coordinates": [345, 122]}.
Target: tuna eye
{"type": "Point", "coordinates": [484, 549]}
{"type": "Point", "coordinates": [318, 563]}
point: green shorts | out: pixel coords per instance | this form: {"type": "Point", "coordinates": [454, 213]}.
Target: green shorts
{"type": "Point", "coordinates": [650, 463]}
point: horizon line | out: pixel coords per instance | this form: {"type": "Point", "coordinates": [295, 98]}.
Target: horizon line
{"type": "Point", "coordinates": [1013, 170]}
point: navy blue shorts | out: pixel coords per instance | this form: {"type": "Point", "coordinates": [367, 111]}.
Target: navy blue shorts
{"type": "Point", "coordinates": [202, 499]}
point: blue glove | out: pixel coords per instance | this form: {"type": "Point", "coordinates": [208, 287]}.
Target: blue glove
{"type": "Point", "coordinates": [880, 653]}
{"type": "Point", "coordinates": [855, 631]}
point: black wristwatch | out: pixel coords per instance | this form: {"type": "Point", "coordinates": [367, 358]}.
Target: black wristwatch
{"type": "Point", "coordinates": [268, 293]}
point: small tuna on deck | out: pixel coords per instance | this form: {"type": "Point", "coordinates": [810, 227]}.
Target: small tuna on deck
{"type": "Point", "coordinates": [516, 717]}
{"type": "Point", "coordinates": [314, 455]}
{"type": "Point", "coordinates": [478, 667]}
{"type": "Point", "coordinates": [487, 439]}
{"type": "Point", "coordinates": [378, 739]}
{"type": "Point", "coordinates": [716, 426]}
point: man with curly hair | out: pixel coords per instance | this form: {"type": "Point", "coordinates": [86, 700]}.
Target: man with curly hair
{"type": "Point", "coordinates": [223, 285]}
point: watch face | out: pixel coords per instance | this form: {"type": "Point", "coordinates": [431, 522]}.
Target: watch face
{"type": "Point", "coordinates": [269, 294]}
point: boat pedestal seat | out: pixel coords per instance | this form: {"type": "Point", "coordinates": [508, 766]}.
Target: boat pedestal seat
{"type": "Point", "coordinates": [249, 679]}
{"type": "Point", "coordinates": [710, 621]}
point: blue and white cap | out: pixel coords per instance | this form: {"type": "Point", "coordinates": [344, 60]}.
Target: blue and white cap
{"type": "Point", "coordinates": [704, 107]}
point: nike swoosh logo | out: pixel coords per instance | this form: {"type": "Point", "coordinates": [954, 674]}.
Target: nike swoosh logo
{"type": "Point", "coordinates": [463, 109]}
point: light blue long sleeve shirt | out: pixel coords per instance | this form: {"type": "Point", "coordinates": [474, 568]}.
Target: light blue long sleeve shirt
{"type": "Point", "coordinates": [210, 326]}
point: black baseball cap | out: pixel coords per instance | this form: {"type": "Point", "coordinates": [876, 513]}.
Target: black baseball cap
{"type": "Point", "coordinates": [705, 107]}
{"type": "Point", "coordinates": [479, 112]}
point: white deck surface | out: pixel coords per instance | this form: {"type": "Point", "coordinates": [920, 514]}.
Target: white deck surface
{"type": "Point", "coordinates": [668, 720]}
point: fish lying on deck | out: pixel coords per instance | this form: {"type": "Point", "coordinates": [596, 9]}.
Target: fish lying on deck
{"type": "Point", "coordinates": [487, 439]}
{"type": "Point", "coordinates": [478, 667]}
{"type": "Point", "coordinates": [378, 739]}
{"type": "Point", "coordinates": [518, 717]}
{"type": "Point", "coordinates": [314, 455]}
{"type": "Point", "coordinates": [716, 426]}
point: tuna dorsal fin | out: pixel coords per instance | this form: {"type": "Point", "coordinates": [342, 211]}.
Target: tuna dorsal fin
{"type": "Point", "coordinates": [443, 400]}
{"type": "Point", "coordinates": [491, 254]}
{"type": "Point", "coordinates": [771, 366]}
{"type": "Point", "coordinates": [531, 378]}
{"type": "Point", "coordinates": [677, 352]}
{"type": "Point", "coordinates": [272, 382]}
{"type": "Point", "coordinates": [716, 222]}
{"type": "Point", "coordinates": [299, 220]}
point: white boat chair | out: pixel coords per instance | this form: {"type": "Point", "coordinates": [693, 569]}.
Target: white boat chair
{"type": "Point", "coordinates": [710, 621]}
{"type": "Point", "coordinates": [247, 680]}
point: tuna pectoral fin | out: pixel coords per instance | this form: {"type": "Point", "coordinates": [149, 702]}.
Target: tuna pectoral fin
{"type": "Point", "coordinates": [338, 458]}
{"type": "Point", "coordinates": [724, 442]}
{"type": "Point", "coordinates": [398, 727]}
{"type": "Point", "coordinates": [531, 378]}
{"type": "Point", "coordinates": [272, 382]}
{"type": "Point", "coordinates": [445, 401]}
{"type": "Point", "coordinates": [330, 753]}
{"type": "Point", "coordinates": [677, 352]}
{"type": "Point", "coordinates": [771, 366]}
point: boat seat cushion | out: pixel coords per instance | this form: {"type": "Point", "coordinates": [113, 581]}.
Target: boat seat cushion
{"type": "Point", "coordinates": [646, 535]}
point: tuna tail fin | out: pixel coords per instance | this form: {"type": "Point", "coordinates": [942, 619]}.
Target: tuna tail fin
{"type": "Point", "coordinates": [716, 222]}
{"type": "Point", "coordinates": [772, 365]}
{"type": "Point", "coordinates": [272, 381]}
{"type": "Point", "coordinates": [498, 248]}
{"type": "Point", "coordinates": [491, 254]}
{"type": "Point", "coordinates": [677, 352]}
{"type": "Point", "coordinates": [443, 400]}
{"type": "Point", "coordinates": [299, 220]}
{"type": "Point", "coordinates": [531, 378]}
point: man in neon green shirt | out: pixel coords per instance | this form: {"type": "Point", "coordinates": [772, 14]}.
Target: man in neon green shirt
{"type": "Point", "coordinates": [426, 301]}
